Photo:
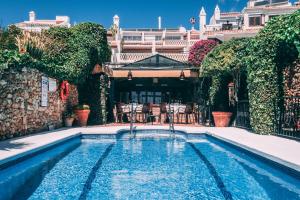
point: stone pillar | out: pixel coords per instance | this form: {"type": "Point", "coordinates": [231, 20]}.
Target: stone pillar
{"type": "Point", "coordinates": [103, 99]}
{"type": "Point", "coordinates": [153, 47]}
{"type": "Point", "coordinates": [246, 21]}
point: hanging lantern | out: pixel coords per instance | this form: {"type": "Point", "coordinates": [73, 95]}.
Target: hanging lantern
{"type": "Point", "coordinates": [129, 76]}
{"type": "Point", "coordinates": [231, 93]}
{"type": "Point", "coordinates": [182, 76]}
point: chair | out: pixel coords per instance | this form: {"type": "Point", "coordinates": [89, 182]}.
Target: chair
{"type": "Point", "coordinates": [180, 113]}
{"type": "Point", "coordinates": [139, 112]}
{"type": "Point", "coordinates": [163, 111]}
{"type": "Point", "coordinates": [189, 112]}
{"type": "Point", "coordinates": [147, 110]}
{"type": "Point", "coordinates": [119, 113]}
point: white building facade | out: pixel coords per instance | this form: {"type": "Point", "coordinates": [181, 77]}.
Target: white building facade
{"type": "Point", "coordinates": [37, 25]}
{"type": "Point", "coordinates": [131, 45]}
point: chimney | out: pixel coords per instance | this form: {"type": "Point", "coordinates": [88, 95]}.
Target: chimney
{"type": "Point", "coordinates": [159, 22]}
{"type": "Point", "coordinates": [31, 16]}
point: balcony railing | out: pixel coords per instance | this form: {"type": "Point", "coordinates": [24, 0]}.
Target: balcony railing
{"type": "Point", "coordinates": [176, 42]}
{"type": "Point", "coordinates": [182, 57]}
{"type": "Point", "coordinates": [133, 57]}
{"type": "Point", "coordinates": [157, 43]}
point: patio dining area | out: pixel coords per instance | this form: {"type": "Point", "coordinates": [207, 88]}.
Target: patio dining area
{"type": "Point", "coordinates": [155, 90]}
{"type": "Point", "coordinates": [157, 113]}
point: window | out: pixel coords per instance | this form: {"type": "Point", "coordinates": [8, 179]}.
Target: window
{"type": "Point", "coordinates": [132, 38]}
{"type": "Point", "coordinates": [255, 21]}
{"type": "Point", "coordinates": [142, 97]}
{"type": "Point", "coordinates": [157, 38]}
{"type": "Point", "coordinates": [173, 37]}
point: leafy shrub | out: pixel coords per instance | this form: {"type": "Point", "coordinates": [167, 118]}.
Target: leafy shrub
{"type": "Point", "coordinates": [224, 64]}
{"type": "Point", "coordinates": [63, 53]}
{"type": "Point", "coordinates": [269, 52]}
{"type": "Point", "coordinates": [8, 37]}
{"type": "Point", "coordinates": [82, 107]}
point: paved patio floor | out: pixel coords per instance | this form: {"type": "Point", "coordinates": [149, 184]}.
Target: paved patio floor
{"type": "Point", "coordinates": [281, 150]}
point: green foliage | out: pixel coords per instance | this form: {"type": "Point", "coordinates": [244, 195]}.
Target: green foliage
{"type": "Point", "coordinates": [268, 53]}
{"type": "Point", "coordinates": [8, 38]}
{"type": "Point", "coordinates": [224, 64]}
{"type": "Point", "coordinates": [82, 107]}
{"type": "Point", "coordinates": [263, 58]}
{"type": "Point", "coordinates": [66, 54]}
{"type": "Point", "coordinates": [12, 58]}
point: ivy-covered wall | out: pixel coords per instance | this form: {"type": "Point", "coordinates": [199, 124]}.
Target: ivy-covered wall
{"type": "Point", "coordinates": [292, 79]}
{"type": "Point", "coordinates": [64, 53]}
{"type": "Point", "coordinates": [94, 93]}
{"type": "Point", "coordinates": [264, 59]}
{"type": "Point", "coordinates": [274, 48]}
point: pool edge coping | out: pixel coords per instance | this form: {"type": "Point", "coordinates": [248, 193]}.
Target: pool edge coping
{"type": "Point", "coordinates": [287, 167]}
{"type": "Point", "coordinates": [13, 159]}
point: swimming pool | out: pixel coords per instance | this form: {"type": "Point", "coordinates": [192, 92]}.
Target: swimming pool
{"type": "Point", "coordinates": [151, 164]}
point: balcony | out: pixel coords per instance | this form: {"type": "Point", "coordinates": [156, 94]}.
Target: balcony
{"type": "Point", "coordinates": [157, 43]}
{"type": "Point", "coordinates": [133, 57]}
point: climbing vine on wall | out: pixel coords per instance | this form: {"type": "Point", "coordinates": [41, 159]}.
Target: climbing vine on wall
{"type": "Point", "coordinates": [263, 58]}
{"type": "Point", "coordinates": [269, 52]}
{"type": "Point", "coordinates": [224, 62]}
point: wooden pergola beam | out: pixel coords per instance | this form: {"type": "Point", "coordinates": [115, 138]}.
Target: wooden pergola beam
{"type": "Point", "coordinates": [155, 73]}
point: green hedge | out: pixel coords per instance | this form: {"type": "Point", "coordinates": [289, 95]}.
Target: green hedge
{"type": "Point", "coordinates": [263, 58]}
{"type": "Point", "coordinates": [224, 64]}
{"type": "Point", "coordinates": [268, 53]}
{"type": "Point", "coordinates": [67, 53]}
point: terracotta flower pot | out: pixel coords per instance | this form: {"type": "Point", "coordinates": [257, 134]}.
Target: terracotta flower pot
{"type": "Point", "coordinates": [82, 116]}
{"type": "Point", "coordinates": [222, 119]}
{"type": "Point", "coordinates": [69, 121]}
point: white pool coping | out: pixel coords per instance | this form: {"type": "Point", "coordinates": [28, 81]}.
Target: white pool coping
{"type": "Point", "coordinates": [280, 150]}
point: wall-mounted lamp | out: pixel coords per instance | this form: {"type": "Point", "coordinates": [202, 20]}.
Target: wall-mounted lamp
{"type": "Point", "coordinates": [182, 76]}
{"type": "Point", "coordinates": [129, 76]}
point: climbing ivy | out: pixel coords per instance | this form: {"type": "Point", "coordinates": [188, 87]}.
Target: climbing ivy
{"type": "Point", "coordinates": [263, 58]}
{"type": "Point", "coordinates": [66, 53]}
{"type": "Point", "coordinates": [267, 55]}
{"type": "Point", "coordinates": [224, 64]}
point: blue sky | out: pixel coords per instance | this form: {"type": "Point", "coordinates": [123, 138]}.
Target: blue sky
{"type": "Point", "coordinates": [133, 13]}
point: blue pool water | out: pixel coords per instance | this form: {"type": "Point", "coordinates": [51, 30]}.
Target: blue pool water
{"type": "Point", "coordinates": [149, 166]}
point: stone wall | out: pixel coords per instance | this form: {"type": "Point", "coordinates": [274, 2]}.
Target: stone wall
{"type": "Point", "coordinates": [21, 112]}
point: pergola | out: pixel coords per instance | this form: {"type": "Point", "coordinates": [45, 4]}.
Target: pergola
{"type": "Point", "coordinates": [153, 80]}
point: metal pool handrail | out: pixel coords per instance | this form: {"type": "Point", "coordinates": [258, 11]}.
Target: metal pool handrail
{"type": "Point", "coordinates": [131, 119]}
{"type": "Point", "coordinates": [171, 122]}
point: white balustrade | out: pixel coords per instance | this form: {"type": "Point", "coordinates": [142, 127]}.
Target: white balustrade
{"type": "Point", "coordinates": [182, 57]}
{"type": "Point", "coordinates": [133, 57]}
{"type": "Point", "coordinates": [176, 42]}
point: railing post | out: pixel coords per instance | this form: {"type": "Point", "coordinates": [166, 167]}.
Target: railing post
{"type": "Point", "coordinates": [131, 118]}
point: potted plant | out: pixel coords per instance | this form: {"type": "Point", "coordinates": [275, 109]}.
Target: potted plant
{"type": "Point", "coordinates": [222, 115]}
{"type": "Point", "coordinates": [69, 119]}
{"type": "Point", "coordinates": [82, 113]}
{"type": "Point", "coordinates": [69, 115]}
{"type": "Point", "coordinates": [222, 119]}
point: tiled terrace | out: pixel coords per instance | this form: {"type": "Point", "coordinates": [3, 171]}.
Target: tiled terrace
{"type": "Point", "coordinates": [280, 150]}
